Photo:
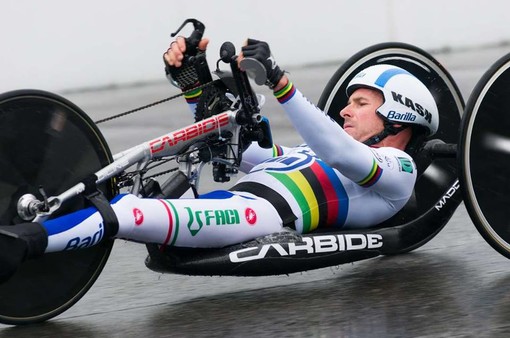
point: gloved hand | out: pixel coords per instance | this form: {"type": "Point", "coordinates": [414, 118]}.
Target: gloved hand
{"type": "Point", "coordinates": [259, 50]}
{"type": "Point", "coordinates": [180, 73]}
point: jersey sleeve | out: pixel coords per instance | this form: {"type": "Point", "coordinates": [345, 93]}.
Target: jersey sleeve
{"type": "Point", "coordinates": [360, 163]}
{"type": "Point", "coordinates": [256, 154]}
{"type": "Point", "coordinates": [192, 99]}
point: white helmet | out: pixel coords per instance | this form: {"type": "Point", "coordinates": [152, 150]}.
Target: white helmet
{"type": "Point", "coordinates": [406, 99]}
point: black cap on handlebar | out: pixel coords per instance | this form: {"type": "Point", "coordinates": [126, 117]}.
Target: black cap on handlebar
{"type": "Point", "coordinates": [227, 51]}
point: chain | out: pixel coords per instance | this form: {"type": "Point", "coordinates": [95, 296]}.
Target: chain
{"type": "Point", "coordinates": [149, 106]}
{"type": "Point", "coordinates": [153, 103]}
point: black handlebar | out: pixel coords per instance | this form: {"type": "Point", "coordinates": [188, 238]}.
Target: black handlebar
{"type": "Point", "coordinates": [194, 56]}
{"type": "Point", "coordinates": [249, 111]}
{"type": "Point", "coordinates": [253, 126]}
{"type": "Point", "coordinates": [194, 38]}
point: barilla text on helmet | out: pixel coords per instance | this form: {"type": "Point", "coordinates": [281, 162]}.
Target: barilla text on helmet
{"type": "Point", "coordinates": [406, 99]}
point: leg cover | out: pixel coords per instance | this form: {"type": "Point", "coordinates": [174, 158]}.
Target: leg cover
{"type": "Point", "coordinates": [18, 243]}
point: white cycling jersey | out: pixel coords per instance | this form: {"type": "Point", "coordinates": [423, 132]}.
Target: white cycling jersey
{"type": "Point", "coordinates": [341, 182]}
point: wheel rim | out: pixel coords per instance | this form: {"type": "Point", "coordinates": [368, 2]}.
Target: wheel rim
{"type": "Point", "coordinates": [47, 141]}
{"type": "Point", "coordinates": [484, 148]}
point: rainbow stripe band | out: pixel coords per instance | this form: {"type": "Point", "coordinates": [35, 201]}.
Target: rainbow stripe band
{"type": "Point", "coordinates": [193, 96]}
{"type": "Point", "coordinates": [373, 176]}
{"type": "Point", "coordinates": [319, 194]}
{"type": "Point", "coordinates": [277, 150]}
{"type": "Point", "coordinates": [285, 94]}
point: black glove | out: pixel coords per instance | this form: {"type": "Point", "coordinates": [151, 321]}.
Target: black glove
{"type": "Point", "coordinates": [186, 76]}
{"type": "Point", "coordinates": [259, 50]}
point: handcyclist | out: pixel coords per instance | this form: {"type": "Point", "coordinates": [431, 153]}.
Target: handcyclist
{"type": "Point", "coordinates": [354, 176]}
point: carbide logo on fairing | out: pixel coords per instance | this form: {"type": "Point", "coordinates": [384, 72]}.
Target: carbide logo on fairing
{"type": "Point", "coordinates": [310, 245]}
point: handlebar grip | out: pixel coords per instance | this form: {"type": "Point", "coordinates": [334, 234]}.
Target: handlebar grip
{"type": "Point", "coordinates": [194, 58]}
{"type": "Point", "coordinates": [192, 42]}
{"type": "Point", "coordinates": [255, 70]}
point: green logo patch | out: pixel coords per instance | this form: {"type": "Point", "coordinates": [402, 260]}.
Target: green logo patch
{"type": "Point", "coordinates": [199, 218]}
{"type": "Point", "coordinates": [406, 165]}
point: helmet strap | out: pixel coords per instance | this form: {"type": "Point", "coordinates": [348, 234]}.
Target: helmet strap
{"type": "Point", "coordinates": [389, 129]}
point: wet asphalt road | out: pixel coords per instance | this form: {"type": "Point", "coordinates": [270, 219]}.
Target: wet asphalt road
{"type": "Point", "coordinates": [454, 286]}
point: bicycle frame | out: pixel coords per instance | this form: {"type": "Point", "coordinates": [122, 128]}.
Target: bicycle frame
{"type": "Point", "coordinates": [226, 125]}
{"type": "Point", "coordinates": [171, 144]}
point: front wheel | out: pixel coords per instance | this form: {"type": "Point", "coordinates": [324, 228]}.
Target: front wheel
{"type": "Point", "coordinates": [484, 156]}
{"type": "Point", "coordinates": [47, 142]}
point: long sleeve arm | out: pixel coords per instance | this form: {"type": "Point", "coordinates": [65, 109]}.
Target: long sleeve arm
{"type": "Point", "coordinates": [255, 155]}
{"type": "Point", "coordinates": [332, 144]}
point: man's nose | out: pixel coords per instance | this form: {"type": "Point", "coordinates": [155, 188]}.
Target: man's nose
{"type": "Point", "coordinates": [345, 112]}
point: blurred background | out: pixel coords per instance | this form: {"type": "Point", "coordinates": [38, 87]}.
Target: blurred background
{"type": "Point", "coordinates": [60, 45]}
{"type": "Point", "coordinates": [454, 286]}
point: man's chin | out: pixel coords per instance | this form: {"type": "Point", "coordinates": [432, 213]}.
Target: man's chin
{"type": "Point", "coordinates": [349, 131]}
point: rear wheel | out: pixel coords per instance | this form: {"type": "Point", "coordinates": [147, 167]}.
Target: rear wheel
{"type": "Point", "coordinates": [46, 141]}
{"type": "Point", "coordinates": [484, 149]}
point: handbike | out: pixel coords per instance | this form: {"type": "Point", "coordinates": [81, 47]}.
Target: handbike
{"type": "Point", "coordinates": [53, 160]}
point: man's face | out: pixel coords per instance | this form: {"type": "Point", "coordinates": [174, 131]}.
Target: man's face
{"type": "Point", "coordinates": [361, 120]}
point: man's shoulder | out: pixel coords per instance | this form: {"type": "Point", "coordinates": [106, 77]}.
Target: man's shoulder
{"type": "Point", "coordinates": [390, 151]}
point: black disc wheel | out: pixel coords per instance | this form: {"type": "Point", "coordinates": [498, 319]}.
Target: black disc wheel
{"type": "Point", "coordinates": [47, 142]}
{"type": "Point", "coordinates": [484, 149]}
{"type": "Point", "coordinates": [436, 190]}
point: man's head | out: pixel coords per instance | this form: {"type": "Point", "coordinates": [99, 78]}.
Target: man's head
{"type": "Point", "coordinates": [385, 100]}
{"type": "Point", "coordinates": [360, 118]}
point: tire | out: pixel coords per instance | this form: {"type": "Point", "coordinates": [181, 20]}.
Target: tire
{"type": "Point", "coordinates": [484, 161]}
{"type": "Point", "coordinates": [431, 188]}
{"type": "Point", "coordinates": [47, 141]}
